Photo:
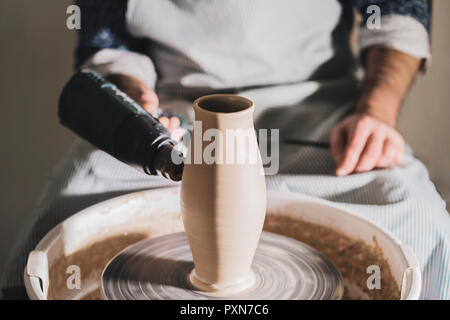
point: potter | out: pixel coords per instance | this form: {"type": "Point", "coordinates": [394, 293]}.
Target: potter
{"type": "Point", "coordinates": [223, 204]}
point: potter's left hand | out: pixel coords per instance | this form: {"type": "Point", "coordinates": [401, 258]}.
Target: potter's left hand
{"type": "Point", "coordinates": [362, 142]}
{"type": "Point", "coordinates": [148, 99]}
{"type": "Point", "coordinates": [173, 124]}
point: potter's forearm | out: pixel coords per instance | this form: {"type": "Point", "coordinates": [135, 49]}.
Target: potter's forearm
{"type": "Point", "coordinates": [388, 75]}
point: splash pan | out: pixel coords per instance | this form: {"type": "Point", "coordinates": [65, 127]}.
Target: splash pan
{"type": "Point", "coordinates": [159, 268]}
{"type": "Point", "coordinates": [88, 240]}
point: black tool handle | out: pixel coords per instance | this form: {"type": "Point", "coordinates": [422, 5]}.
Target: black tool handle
{"type": "Point", "coordinates": [99, 112]}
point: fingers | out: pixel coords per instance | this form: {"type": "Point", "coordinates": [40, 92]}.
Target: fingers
{"type": "Point", "coordinates": [356, 142]}
{"type": "Point", "coordinates": [400, 143]}
{"type": "Point", "coordinates": [337, 142]}
{"type": "Point", "coordinates": [400, 156]}
{"type": "Point", "coordinates": [170, 124]}
{"type": "Point", "coordinates": [164, 121]}
{"type": "Point", "coordinates": [136, 89]}
{"type": "Point", "coordinates": [361, 143]}
{"type": "Point", "coordinates": [177, 134]}
{"type": "Point", "coordinates": [372, 152]}
{"type": "Point", "coordinates": [389, 154]}
{"type": "Point", "coordinates": [173, 125]}
{"type": "Point", "coordinates": [393, 152]}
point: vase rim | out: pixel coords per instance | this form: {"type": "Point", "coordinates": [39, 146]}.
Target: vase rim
{"type": "Point", "coordinates": [246, 107]}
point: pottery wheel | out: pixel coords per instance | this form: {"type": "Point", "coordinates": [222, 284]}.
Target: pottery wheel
{"type": "Point", "coordinates": [158, 268]}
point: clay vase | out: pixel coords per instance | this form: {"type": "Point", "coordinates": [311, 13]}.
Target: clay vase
{"type": "Point", "coordinates": [223, 203]}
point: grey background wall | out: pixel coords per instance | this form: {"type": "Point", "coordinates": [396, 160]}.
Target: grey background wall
{"type": "Point", "coordinates": [425, 117]}
{"type": "Point", "coordinates": [36, 60]}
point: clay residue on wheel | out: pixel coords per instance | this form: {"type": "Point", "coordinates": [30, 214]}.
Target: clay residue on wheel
{"type": "Point", "coordinates": [350, 256]}
{"type": "Point", "coordinates": [91, 260]}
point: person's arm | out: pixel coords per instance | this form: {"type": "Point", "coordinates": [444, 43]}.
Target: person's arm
{"type": "Point", "coordinates": [388, 76]}
{"type": "Point", "coordinates": [368, 138]}
{"type": "Point", "coordinates": [106, 47]}
{"type": "Point", "coordinates": [392, 55]}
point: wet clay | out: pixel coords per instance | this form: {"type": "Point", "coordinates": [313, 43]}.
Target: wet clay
{"type": "Point", "coordinates": [350, 256]}
{"type": "Point", "coordinates": [223, 202]}
{"type": "Point", "coordinates": [91, 260]}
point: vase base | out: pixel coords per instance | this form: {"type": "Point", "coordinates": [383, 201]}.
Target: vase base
{"type": "Point", "coordinates": [217, 290]}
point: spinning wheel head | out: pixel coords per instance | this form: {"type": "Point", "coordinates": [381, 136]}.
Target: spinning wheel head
{"type": "Point", "coordinates": [159, 268]}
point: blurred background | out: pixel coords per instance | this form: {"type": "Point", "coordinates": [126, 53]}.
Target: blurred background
{"type": "Point", "coordinates": [37, 58]}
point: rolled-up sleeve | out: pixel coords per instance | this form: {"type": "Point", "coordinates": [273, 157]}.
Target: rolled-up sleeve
{"type": "Point", "coordinates": [404, 26]}
{"type": "Point", "coordinates": [106, 46]}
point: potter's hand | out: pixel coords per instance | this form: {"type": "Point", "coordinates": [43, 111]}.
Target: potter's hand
{"type": "Point", "coordinates": [173, 124]}
{"type": "Point", "coordinates": [361, 143]}
{"type": "Point", "coordinates": [136, 90]}
{"type": "Point", "coordinates": [147, 98]}
{"type": "Point", "coordinates": [367, 139]}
